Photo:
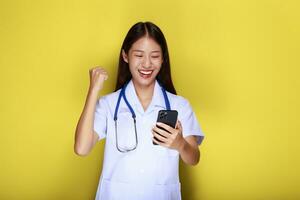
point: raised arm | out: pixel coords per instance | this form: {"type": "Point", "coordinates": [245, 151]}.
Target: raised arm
{"type": "Point", "coordinates": [85, 136]}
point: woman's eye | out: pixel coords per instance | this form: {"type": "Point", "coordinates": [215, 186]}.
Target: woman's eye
{"type": "Point", "coordinates": [138, 56]}
{"type": "Point", "coordinates": [155, 56]}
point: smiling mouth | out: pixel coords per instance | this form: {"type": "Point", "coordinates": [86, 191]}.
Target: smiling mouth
{"type": "Point", "coordinates": [145, 73]}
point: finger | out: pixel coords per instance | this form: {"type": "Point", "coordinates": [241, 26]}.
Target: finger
{"type": "Point", "coordinates": [96, 68]}
{"type": "Point", "coordinates": [103, 71]}
{"type": "Point", "coordinates": [162, 132]}
{"type": "Point", "coordinates": [159, 137]}
{"type": "Point", "coordinates": [102, 76]}
{"type": "Point", "coordinates": [165, 126]}
{"type": "Point", "coordinates": [99, 69]}
{"type": "Point", "coordinates": [177, 124]}
{"type": "Point", "coordinates": [105, 77]}
{"type": "Point", "coordinates": [157, 142]}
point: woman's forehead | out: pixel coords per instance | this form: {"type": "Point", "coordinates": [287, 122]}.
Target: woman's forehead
{"type": "Point", "coordinates": [146, 44]}
{"type": "Point", "coordinates": [139, 50]}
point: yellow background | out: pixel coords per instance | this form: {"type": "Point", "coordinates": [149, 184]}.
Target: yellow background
{"type": "Point", "coordinates": [236, 61]}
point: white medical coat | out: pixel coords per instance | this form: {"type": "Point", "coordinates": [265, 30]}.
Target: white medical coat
{"type": "Point", "coordinates": [150, 172]}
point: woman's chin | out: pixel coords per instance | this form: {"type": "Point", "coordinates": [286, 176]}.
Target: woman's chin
{"type": "Point", "coordinates": [144, 81]}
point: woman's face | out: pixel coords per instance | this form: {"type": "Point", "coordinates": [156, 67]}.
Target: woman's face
{"type": "Point", "coordinates": [145, 60]}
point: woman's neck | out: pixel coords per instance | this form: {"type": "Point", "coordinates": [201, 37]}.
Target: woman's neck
{"type": "Point", "coordinates": [144, 93]}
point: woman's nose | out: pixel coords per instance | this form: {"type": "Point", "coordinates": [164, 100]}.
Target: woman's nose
{"type": "Point", "coordinates": [147, 62]}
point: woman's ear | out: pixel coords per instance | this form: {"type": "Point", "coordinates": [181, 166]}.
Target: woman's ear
{"type": "Point", "coordinates": [125, 57]}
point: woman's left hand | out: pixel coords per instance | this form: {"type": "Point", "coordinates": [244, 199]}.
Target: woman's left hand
{"type": "Point", "coordinates": [171, 138]}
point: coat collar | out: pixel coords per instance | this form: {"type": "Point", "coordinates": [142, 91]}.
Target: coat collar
{"type": "Point", "coordinates": [157, 98]}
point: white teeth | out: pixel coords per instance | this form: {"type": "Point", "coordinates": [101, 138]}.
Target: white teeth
{"type": "Point", "coordinates": [146, 72]}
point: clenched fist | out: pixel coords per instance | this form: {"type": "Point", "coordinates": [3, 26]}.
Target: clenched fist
{"type": "Point", "coordinates": [97, 77]}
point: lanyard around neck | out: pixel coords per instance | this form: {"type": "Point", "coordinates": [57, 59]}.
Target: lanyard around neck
{"type": "Point", "coordinates": [122, 94]}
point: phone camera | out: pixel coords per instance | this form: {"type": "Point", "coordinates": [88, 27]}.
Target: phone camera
{"type": "Point", "coordinates": [163, 114]}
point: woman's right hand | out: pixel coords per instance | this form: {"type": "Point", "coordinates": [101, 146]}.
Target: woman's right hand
{"type": "Point", "coordinates": [97, 77]}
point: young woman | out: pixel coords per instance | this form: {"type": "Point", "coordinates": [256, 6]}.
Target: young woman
{"type": "Point", "coordinates": [141, 157]}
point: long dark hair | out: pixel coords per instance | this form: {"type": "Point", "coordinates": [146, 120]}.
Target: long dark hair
{"type": "Point", "coordinates": [136, 32]}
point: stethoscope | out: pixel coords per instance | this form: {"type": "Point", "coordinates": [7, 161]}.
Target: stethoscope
{"type": "Point", "coordinates": [122, 95]}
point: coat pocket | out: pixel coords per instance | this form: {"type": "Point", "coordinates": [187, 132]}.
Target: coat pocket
{"type": "Point", "coordinates": [113, 190]}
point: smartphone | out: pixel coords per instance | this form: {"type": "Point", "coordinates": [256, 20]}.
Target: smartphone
{"type": "Point", "coordinates": [168, 117]}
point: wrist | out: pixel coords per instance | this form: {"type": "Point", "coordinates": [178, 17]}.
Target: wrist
{"type": "Point", "coordinates": [93, 90]}
{"type": "Point", "coordinates": [181, 146]}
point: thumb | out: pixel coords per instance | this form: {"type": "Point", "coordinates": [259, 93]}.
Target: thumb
{"type": "Point", "coordinates": [178, 125]}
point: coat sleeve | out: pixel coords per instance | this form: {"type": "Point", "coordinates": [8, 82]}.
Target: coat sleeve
{"type": "Point", "coordinates": [100, 118]}
{"type": "Point", "coordinates": [189, 122]}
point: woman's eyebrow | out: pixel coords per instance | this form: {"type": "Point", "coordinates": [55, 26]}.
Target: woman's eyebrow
{"type": "Point", "coordinates": [138, 50]}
